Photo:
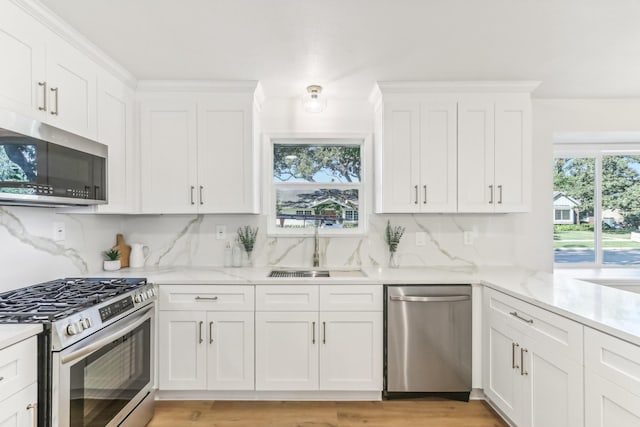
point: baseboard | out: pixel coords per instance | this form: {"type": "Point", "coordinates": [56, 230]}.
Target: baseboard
{"type": "Point", "coordinates": [268, 395]}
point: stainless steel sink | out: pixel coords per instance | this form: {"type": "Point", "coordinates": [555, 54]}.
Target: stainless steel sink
{"type": "Point", "coordinates": [300, 273]}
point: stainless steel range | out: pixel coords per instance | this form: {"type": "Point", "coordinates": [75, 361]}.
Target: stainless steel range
{"type": "Point", "coordinates": [95, 355]}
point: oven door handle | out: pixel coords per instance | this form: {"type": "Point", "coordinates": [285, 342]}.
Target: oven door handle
{"type": "Point", "coordinates": [93, 346]}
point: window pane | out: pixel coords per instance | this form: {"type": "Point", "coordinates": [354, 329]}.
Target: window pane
{"type": "Point", "coordinates": [316, 163]}
{"type": "Point", "coordinates": [331, 208]}
{"type": "Point", "coordinates": [621, 209]}
{"type": "Point", "coordinates": [573, 197]}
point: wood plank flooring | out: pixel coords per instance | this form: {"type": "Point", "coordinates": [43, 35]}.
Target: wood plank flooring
{"type": "Point", "coordinates": [395, 413]}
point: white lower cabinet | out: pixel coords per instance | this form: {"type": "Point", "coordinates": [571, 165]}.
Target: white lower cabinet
{"type": "Point", "coordinates": [18, 384]}
{"type": "Point", "coordinates": [317, 349]}
{"type": "Point", "coordinates": [206, 350]}
{"type": "Point", "coordinates": [533, 363]}
{"type": "Point", "coordinates": [612, 381]}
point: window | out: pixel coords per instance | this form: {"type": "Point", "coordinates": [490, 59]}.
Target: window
{"type": "Point", "coordinates": [597, 206]}
{"type": "Point", "coordinates": [316, 183]}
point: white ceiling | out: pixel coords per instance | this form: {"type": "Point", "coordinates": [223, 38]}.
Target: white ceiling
{"type": "Point", "coordinates": [577, 48]}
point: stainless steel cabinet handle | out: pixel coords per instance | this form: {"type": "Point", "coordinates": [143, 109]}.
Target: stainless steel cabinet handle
{"type": "Point", "coordinates": [415, 187]}
{"type": "Point", "coordinates": [210, 332]}
{"type": "Point", "coordinates": [44, 96]}
{"type": "Point", "coordinates": [424, 187]}
{"type": "Point", "coordinates": [324, 332]}
{"type": "Point", "coordinates": [517, 316]}
{"type": "Point", "coordinates": [55, 112]}
{"type": "Point", "coordinates": [313, 329]}
{"type": "Point", "coordinates": [491, 194]}
{"type": "Point", "coordinates": [201, 198]}
{"type": "Point", "coordinates": [444, 298]}
{"type": "Point", "coordinates": [199, 298]}
{"type": "Point", "coordinates": [514, 345]}
{"type": "Point", "coordinates": [522, 352]}
{"type": "Point", "coordinates": [192, 190]}
{"type": "Point", "coordinates": [200, 332]}
{"type": "Point", "coordinates": [35, 413]}
{"type": "Point", "coordinates": [499, 194]}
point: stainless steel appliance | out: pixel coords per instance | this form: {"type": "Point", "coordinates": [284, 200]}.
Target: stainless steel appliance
{"type": "Point", "coordinates": [95, 356]}
{"type": "Point", "coordinates": [44, 166]}
{"type": "Point", "coordinates": [427, 340]}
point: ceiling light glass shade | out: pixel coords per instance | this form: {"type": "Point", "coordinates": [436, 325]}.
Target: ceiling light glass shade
{"type": "Point", "coordinates": [313, 102]}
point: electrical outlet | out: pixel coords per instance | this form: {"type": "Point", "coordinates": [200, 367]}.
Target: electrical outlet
{"type": "Point", "coordinates": [421, 238]}
{"type": "Point", "coordinates": [221, 232]}
{"type": "Point", "coordinates": [469, 236]}
{"type": "Point", "coordinates": [59, 232]}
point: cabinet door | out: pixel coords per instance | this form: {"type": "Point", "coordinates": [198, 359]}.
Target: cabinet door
{"type": "Point", "coordinates": [287, 351]}
{"type": "Point", "coordinates": [72, 82]}
{"type": "Point", "coordinates": [351, 351]}
{"type": "Point", "coordinates": [115, 129]}
{"type": "Point", "coordinates": [609, 405]}
{"type": "Point", "coordinates": [168, 157]}
{"type": "Point", "coordinates": [19, 410]}
{"type": "Point", "coordinates": [552, 388]}
{"type": "Point", "coordinates": [438, 157]}
{"type": "Point", "coordinates": [23, 61]}
{"type": "Point", "coordinates": [513, 156]}
{"type": "Point", "coordinates": [182, 350]}
{"type": "Point", "coordinates": [501, 372]}
{"type": "Point", "coordinates": [226, 172]}
{"type": "Point", "coordinates": [401, 157]}
{"type": "Point", "coordinates": [476, 190]}
{"type": "Point", "coordinates": [230, 351]}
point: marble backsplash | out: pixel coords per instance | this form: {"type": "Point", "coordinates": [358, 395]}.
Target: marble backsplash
{"type": "Point", "coordinates": [29, 253]}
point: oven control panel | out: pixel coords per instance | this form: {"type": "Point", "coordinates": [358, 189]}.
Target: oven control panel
{"type": "Point", "coordinates": [112, 310]}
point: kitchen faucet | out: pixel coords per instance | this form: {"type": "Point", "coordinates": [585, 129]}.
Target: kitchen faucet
{"type": "Point", "coordinates": [316, 253]}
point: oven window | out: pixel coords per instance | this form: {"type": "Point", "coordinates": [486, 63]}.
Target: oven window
{"type": "Point", "coordinates": [103, 383]}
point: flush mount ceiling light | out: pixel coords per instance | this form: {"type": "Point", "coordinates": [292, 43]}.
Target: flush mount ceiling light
{"type": "Point", "coordinates": [312, 101]}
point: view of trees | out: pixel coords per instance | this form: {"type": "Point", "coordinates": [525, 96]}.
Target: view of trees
{"type": "Point", "coordinates": [18, 162]}
{"type": "Point", "coordinates": [316, 163]}
{"type": "Point", "coordinates": [620, 185]}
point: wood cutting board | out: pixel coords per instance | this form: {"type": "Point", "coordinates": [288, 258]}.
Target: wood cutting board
{"type": "Point", "coordinates": [124, 249]}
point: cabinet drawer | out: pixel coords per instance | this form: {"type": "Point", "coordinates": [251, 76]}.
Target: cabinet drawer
{"type": "Point", "coordinates": [350, 298]}
{"type": "Point", "coordinates": [549, 329]}
{"type": "Point", "coordinates": [207, 297]}
{"type": "Point", "coordinates": [287, 298]}
{"type": "Point", "coordinates": [613, 358]}
{"type": "Point", "coordinates": [18, 367]}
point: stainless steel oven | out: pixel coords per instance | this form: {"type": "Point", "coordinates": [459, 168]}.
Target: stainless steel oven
{"type": "Point", "coordinates": [106, 379]}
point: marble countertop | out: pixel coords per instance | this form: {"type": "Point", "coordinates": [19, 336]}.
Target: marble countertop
{"type": "Point", "coordinates": [11, 334]}
{"type": "Point", "coordinates": [575, 294]}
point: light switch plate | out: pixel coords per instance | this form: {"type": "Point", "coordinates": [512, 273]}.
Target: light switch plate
{"type": "Point", "coordinates": [221, 232]}
{"type": "Point", "coordinates": [421, 238]}
{"type": "Point", "coordinates": [59, 232]}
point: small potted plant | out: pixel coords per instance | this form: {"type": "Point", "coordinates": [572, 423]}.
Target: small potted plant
{"type": "Point", "coordinates": [393, 236]}
{"type": "Point", "coordinates": [112, 262]}
{"type": "Point", "coordinates": [247, 236]}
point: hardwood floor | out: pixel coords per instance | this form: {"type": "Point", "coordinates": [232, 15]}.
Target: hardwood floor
{"type": "Point", "coordinates": [414, 413]}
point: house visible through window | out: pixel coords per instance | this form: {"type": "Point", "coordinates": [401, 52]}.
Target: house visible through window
{"type": "Point", "coordinates": [316, 183]}
{"type": "Point", "coordinates": [596, 204]}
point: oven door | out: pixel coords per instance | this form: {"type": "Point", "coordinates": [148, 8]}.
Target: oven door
{"type": "Point", "coordinates": [100, 380]}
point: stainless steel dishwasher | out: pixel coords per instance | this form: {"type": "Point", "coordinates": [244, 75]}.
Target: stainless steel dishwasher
{"type": "Point", "coordinates": [427, 340]}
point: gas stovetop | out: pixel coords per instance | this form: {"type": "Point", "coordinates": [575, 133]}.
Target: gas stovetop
{"type": "Point", "coordinates": [57, 299]}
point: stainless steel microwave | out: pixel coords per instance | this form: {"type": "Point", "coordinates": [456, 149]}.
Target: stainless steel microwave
{"type": "Point", "coordinates": [41, 165]}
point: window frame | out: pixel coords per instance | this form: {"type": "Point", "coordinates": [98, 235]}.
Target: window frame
{"type": "Point", "coordinates": [364, 186]}
{"type": "Point", "coordinates": [595, 146]}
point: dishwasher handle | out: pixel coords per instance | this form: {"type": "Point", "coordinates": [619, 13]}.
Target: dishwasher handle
{"type": "Point", "coordinates": [440, 298]}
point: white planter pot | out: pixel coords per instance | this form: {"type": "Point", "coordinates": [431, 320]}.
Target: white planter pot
{"type": "Point", "coordinates": [111, 265]}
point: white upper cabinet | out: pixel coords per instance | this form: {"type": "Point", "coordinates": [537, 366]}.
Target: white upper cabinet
{"type": "Point", "coordinates": [116, 130]}
{"type": "Point", "coordinates": [198, 150]}
{"type": "Point", "coordinates": [453, 147]}
{"type": "Point", "coordinates": [43, 76]}
{"type": "Point", "coordinates": [416, 142]}
{"type": "Point", "coordinates": [494, 153]}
